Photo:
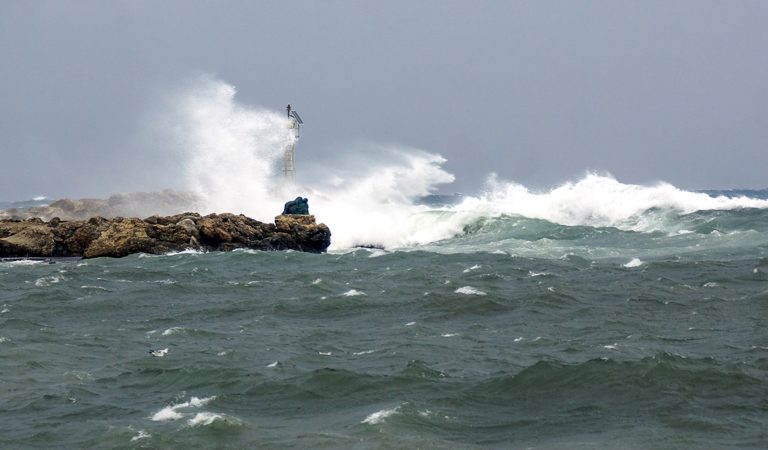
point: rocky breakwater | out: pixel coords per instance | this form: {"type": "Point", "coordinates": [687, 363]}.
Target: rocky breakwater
{"type": "Point", "coordinates": [118, 237]}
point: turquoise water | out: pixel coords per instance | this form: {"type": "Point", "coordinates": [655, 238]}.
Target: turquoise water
{"type": "Point", "coordinates": [517, 333]}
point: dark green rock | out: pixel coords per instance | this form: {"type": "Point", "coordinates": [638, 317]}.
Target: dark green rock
{"type": "Point", "coordinates": [298, 206]}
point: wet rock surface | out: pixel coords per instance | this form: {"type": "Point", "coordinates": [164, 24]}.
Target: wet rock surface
{"type": "Point", "coordinates": [118, 237]}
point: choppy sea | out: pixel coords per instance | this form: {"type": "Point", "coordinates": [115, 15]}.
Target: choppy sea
{"type": "Point", "coordinates": [515, 332]}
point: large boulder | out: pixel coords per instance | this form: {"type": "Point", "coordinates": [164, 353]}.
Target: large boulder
{"type": "Point", "coordinates": [34, 240]}
{"type": "Point", "coordinates": [297, 206]}
{"type": "Point", "coordinates": [301, 232]}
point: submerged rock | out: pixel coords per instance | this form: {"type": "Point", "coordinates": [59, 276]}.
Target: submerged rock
{"type": "Point", "coordinates": [117, 237]}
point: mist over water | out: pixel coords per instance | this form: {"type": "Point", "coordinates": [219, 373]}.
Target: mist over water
{"type": "Point", "coordinates": [233, 153]}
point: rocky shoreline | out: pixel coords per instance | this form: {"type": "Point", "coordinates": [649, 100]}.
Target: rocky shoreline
{"type": "Point", "coordinates": [119, 236]}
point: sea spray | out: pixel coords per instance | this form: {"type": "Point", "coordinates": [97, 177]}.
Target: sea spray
{"type": "Point", "coordinates": [229, 150]}
{"type": "Point", "coordinates": [597, 200]}
{"type": "Point", "coordinates": [232, 152]}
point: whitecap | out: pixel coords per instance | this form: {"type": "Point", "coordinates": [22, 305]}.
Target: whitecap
{"type": "Point", "coordinates": [448, 334]}
{"type": "Point", "coordinates": [4, 339]}
{"type": "Point", "coordinates": [613, 346]}
{"type": "Point", "coordinates": [364, 352]}
{"type": "Point", "coordinates": [518, 339]}
{"type": "Point", "coordinates": [204, 418]}
{"type": "Point", "coordinates": [189, 251]}
{"type": "Point", "coordinates": [353, 293]}
{"type": "Point", "coordinates": [376, 252]}
{"type": "Point", "coordinates": [167, 413]}
{"type": "Point", "coordinates": [171, 412]}
{"type": "Point", "coordinates": [173, 330]}
{"type": "Point", "coordinates": [325, 353]}
{"type": "Point", "coordinates": [469, 290]}
{"type": "Point", "coordinates": [97, 288]}
{"type": "Point", "coordinates": [710, 284]}
{"type": "Point", "coordinates": [271, 365]}
{"type": "Point", "coordinates": [379, 416]}
{"type": "Point", "coordinates": [475, 267]}
{"type": "Point", "coordinates": [410, 324]}
{"type": "Point", "coordinates": [634, 262]}
{"type": "Point", "coordinates": [23, 262]}
{"type": "Point", "coordinates": [47, 281]}
{"type": "Point", "coordinates": [533, 274]}
{"type": "Point", "coordinates": [317, 281]}
{"type": "Point", "coordinates": [142, 435]}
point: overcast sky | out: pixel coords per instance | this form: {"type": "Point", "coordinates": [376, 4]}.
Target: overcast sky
{"type": "Point", "coordinates": [538, 92]}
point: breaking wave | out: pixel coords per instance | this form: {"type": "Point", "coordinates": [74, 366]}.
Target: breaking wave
{"type": "Point", "coordinates": [232, 154]}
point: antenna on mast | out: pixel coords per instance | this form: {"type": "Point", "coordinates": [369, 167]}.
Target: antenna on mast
{"type": "Point", "coordinates": [289, 157]}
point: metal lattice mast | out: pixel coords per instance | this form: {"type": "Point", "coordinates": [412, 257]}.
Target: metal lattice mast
{"type": "Point", "coordinates": [289, 157]}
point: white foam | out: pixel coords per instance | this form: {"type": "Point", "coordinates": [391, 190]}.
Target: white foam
{"type": "Point", "coordinates": [4, 339]}
{"type": "Point", "coordinates": [189, 251]}
{"type": "Point", "coordinates": [173, 330]}
{"type": "Point", "coordinates": [364, 352]}
{"type": "Point", "coordinates": [231, 151]}
{"type": "Point", "coordinates": [379, 416]}
{"type": "Point", "coordinates": [634, 262]}
{"type": "Point", "coordinates": [167, 413]}
{"type": "Point", "coordinates": [171, 412]}
{"type": "Point", "coordinates": [142, 435]}
{"type": "Point", "coordinates": [533, 274]}
{"type": "Point", "coordinates": [353, 293]}
{"type": "Point", "coordinates": [470, 269]}
{"type": "Point", "coordinates": [317, 281]}
{"type": "Point", "coordinates": [204, 418]}
{"type": "Point", "coordinates": [97, 288]}
{"type": "Point", "coordinates": [49, 280]}
{"type": "Point", "coordinates": [376, 252]}
{"type": "Point", "coordinates": [469, 290]}
{"type": "Point", "coordinates": [22, 262]}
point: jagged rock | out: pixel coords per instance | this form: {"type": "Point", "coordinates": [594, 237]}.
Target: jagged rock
{"type": "Point", "coordinates": [120, 236]}
{"type": "Point", "coordinates": [34, 240]}
{"type": "Point", "coordinates": [301, 231]}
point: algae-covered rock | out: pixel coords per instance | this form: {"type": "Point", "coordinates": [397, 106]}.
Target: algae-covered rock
{"type": "Point", "coordinates": [297, 206]}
